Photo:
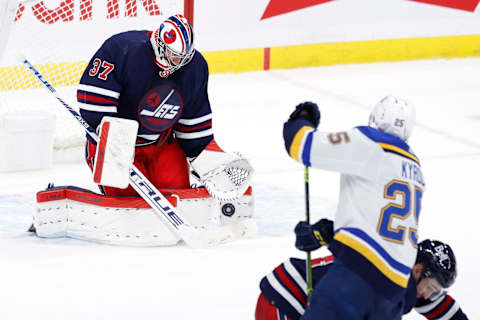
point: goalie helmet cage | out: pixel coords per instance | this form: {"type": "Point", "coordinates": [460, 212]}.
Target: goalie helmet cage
{"type": "Point", "coordinates": [60, 37]}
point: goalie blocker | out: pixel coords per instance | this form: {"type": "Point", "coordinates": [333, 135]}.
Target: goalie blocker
{"type": "Point", "coordinates": [115, 152]}
{"type": "Point", "coordinates": [82, 214]}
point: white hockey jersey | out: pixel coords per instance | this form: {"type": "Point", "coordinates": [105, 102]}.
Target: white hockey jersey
{"type": "Point", "coordinates": [379, 204]}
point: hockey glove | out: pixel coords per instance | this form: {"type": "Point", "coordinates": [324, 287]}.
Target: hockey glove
{"type": "Point", "coordinates": [323, 231]}
{"type": "Point", "coordinates": [311, 237]}
{"type": "Point", "coordinates": [225, 175]}
{"type": "Point", "coordinates": [307, 110]}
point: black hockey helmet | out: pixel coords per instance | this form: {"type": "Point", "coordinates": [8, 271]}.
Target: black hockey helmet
{"type": "Point", "coordinates": [438, 260]}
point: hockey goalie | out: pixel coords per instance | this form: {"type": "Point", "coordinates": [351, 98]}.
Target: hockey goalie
{"type": "Point", "coordinates": [145, 95]}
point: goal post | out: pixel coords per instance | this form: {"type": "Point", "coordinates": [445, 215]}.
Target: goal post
{"type": "Point", "coordinates": [59, 37]}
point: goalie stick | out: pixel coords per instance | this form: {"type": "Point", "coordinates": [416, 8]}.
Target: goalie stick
{"type": "Point", "coordinates": [193, 237]}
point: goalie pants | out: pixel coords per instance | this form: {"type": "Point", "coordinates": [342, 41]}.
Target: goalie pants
{"type": "Point", "coordinates": [265, 310]}
{"type": "Point", "coordinates": [165, 166]}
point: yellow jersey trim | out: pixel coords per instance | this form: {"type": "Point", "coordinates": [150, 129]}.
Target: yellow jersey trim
{"type": "Point", "coordinates": [398, 150]}
{"type": "Point", "coordinates": [296, 145]}
{"type": "Point", "coordinates": [373, 258]}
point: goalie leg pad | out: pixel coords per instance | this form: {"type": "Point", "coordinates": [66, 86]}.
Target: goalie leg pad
{"type": "Point", "coordinates": [51, 221]}
{"type": "Point", "coordinates": [130, 227]}
{"type": "Point", "coordinates": [82, 214]}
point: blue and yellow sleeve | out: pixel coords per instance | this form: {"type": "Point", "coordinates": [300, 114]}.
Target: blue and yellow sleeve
{"type": "Point", "coordinates": [298, 135]}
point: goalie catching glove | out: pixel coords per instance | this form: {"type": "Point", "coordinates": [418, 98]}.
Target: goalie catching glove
{"type": "Point", "coordinates": [226, 176]}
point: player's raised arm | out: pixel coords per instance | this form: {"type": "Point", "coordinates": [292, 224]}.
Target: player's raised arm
{"type": "Point", "coordinates": [356, 151]}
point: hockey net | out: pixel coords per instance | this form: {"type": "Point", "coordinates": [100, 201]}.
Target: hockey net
{"type": "Point", "coordinates": [59, 37]}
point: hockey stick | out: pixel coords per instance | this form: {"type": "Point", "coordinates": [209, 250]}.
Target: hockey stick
{"type": "Point", "coordinates": [309, 255]}
{"type": "Point", "coordinates": [192, 237]}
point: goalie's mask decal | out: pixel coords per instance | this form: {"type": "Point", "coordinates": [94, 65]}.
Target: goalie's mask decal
{"type": "Point", "coordinates": [172, 44]}
{"type": "Point", "coordinates": [160, 109]}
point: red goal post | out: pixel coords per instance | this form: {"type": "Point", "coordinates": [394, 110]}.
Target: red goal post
{"type": "Point", "coordinates": [59, 37]}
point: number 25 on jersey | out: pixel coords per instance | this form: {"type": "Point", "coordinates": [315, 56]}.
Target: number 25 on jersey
{"type": "Point", "coordinates": [397, 214]}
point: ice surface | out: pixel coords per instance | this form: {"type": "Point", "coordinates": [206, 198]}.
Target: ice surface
{"type": "Point", "coordinates": [72, 279]}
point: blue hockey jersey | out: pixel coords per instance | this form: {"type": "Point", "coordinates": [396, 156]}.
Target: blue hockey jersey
{"type": "Point", "coordinates": [286, 288]}
{"type": "Point", "coordinates": [122, 80]}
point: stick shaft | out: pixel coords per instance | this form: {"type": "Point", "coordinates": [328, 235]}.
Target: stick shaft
{"type": "Point", "coordinates": [307, 219]}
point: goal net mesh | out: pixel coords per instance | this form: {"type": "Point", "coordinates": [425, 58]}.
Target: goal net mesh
{"type": "Point", "coordinates": [59, 38]}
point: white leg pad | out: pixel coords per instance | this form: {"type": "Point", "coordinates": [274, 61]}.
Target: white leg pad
{"type": "Point", "coordinates": [51, 221]}
{"type": "Point", "coordinates": [81, 214]}
{"type": "Point", "coordinates": [119, 226]}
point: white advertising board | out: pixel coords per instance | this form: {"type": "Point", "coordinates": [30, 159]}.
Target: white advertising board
{"type": "Point", "coordinates": [224, 25]}
{"type": "Point", "coordinates": [71, 30]}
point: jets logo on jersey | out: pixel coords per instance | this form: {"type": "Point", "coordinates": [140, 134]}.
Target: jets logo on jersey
{"type": "Point", "coordinates": [153, 100]}
{"type": "Point", "coordinates": [166, 111]}
{"type": "Point", "coordinates": [160, 108]}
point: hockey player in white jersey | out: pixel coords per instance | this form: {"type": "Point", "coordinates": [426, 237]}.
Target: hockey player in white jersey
{"type": "Point", "coordinates": [376, 222]}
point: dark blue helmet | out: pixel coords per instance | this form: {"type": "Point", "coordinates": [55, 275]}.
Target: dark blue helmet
{"type": "Point", "coordinates": [438, 260]}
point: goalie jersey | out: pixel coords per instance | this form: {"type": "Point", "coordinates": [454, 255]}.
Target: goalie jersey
{"type": "Point", "coordinates": [122, 80]}
{"type": "Point", "coordinates": [381, 188]}
{"type": "Point", "coordinates": [286, 288]}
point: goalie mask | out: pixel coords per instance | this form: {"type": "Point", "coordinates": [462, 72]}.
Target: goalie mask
{"type": "Point", "coordinates": [172, 44]}
{"type": "Point", "coordinates": [393, 115]}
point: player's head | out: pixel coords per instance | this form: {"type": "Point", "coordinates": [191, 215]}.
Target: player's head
{"type": "Point", "coordinates": [393, 115]}
{"type": "Point", "coordinates": [172, 44]}
{"type": "Point", "coordinates": [438, 267]}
